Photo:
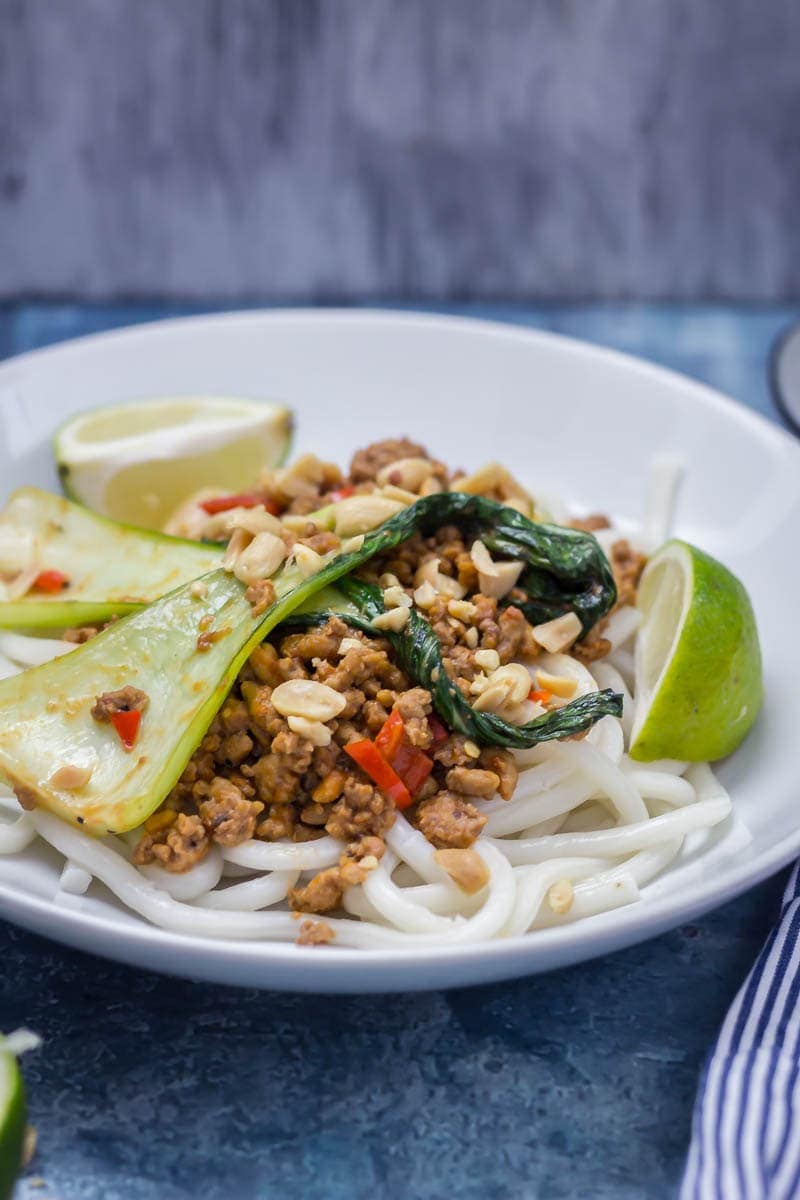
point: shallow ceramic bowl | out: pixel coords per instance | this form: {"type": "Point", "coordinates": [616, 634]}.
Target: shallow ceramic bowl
{"type": "Point", "coordinates": [568, 418]}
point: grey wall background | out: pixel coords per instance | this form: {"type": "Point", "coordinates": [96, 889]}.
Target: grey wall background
{"type": "Point", "coordinates": [335, 149]}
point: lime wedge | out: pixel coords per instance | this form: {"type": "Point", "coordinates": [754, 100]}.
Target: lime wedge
{"type": "Point", "coordinates": [12, 1123]}
{"type": "Point", "coordinates": [137, 462]}
{"type": "Point", "coordinates": [698, 662]}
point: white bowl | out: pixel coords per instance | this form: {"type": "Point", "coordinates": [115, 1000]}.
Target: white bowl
{"type": "Point", "coordinates": [569, 418]}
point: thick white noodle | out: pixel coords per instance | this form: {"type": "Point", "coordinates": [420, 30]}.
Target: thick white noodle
{"type": "Point", "coordinates": [533, 782]}
{"type": "Point", "coordinates": [666, 472]}
{"type": "Point", "coordinates": [388, 899]}
{"type": "Point", "coordinates": [285, 856]}
{"type": "Point", "coordinates": [261, 892]}
{"type": "Point", "coordinates": [608, 677]}
{"type": "Point", "coordinates": [439, 898]}
{"type": "Point", "coordinates": [622, 625]}
{"type": "Point", "coordinates": [589, 817]}
{"type": "Point", "coordinates": [533, 884]}
{"type": "Point", "coordinates": [32, 651]}
{"type": "Point", "coordinates": [187, 885]}
{"type": "Point", "coordinates": [546, 828]}
{"type": "Point", "coordinates": [74, 879]}
{"type": "Point", "coordinates": [356, 903]}
{"type": "Point", "coordinates": [414, 849]}
{"type": "Point", "coordinates": [17, 835]}
{"type": "Point", "coordinates": [608, 779]}
{"type": "Point", "coordinates": [128, 884]}
{"type": "Point", "coordinates": [620, 841]}
{"type": "Point", "coordinates": [705, 782]}
{"type": "Point", "coordinates": [606, 737]}
{"type": "Point", "coordinates": [669, 766]}
{"type": "Point", "coordinates": [609, 889]}
{"type": "Point", "coordinates": [624, 663]}
{"type": "Point", "coordinates": [603, 893]}
{"type": "Point", "coordinates": [658, 785]}
{"type": "Point", "coordinates": [517, 815]}
{"type": "Point", "coordinates": [556, 827]}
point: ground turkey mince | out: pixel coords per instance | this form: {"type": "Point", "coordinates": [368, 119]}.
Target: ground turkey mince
{"type": "Point", "coordinates": [254, 776]}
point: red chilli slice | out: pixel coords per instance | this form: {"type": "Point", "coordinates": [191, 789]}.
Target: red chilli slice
{"type": "Point", "coordinates": [127, 725]}
{"type": "Point", "coordinates": [220, 504]}
{"type": "Point", "coordinates": [50, 581]}
{"type": "Point", "coordinates": [370, 759]}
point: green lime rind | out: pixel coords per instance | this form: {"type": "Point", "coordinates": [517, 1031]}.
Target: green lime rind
{"type": "Point", "coordinates": [710, 691]}
{"type": "Point", "coordinates": [13, 1119]}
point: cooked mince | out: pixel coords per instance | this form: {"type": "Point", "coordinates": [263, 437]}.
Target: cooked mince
{"type": "Point", "coordinates": [254, 776]}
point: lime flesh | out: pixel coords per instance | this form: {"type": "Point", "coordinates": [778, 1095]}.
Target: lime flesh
{"type": "Point", "coordinates": [12, 1123]}
{"type": "Point", "coordinates": [698, 661]}
{"type": "Point", "coordinates": [138, 462]}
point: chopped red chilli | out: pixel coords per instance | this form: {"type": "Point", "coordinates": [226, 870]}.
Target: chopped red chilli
{"type": "Point", "coordinates": [127, 726]}
{"type": "Point", "coordinates": [382, 774]}
{"type": "Point", "coordinates": [50, 581]}
{"type": "Point", "coordinates": [220, 504]}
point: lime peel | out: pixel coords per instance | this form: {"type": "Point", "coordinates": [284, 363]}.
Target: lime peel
{"type": "Point", "coordinates": [137, 462]}
{"type": "Point", "coordinates": [13, 1113]}
{"type": "Point", "coordinates": [698, 661]}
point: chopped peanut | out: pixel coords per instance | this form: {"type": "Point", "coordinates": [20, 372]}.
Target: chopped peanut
{"type": "Point", "coordinates": [561, 896]}
{"type": "Point", "coordinates": [70, 777]}
{"type": "Point", "coordinates": [558, 634]}
{"type": "Point", "coordinates": [465, 867]}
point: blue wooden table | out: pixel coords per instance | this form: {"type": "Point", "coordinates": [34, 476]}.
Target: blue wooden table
{"type": "Point", "coordinates": [577, 1084]}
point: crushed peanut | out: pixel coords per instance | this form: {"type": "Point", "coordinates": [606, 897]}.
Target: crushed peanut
{"type": "Point", "coordinates": [560, 896]}
{"type": "Point", "coordinates": [308, 561]}
{"type": "Point", "coordinates": [558, 634]}
{"type": "Point", "coordinates": [260, 559]}
{"type": "Point", "coordinates": [360, 514]}
{"type": "Point", "coordinates": [314, 731]}
{"type": "Point", "coordinates": [408, 473]}
{"type": "Point", "coordinates": [487, 660]}
{"type": "Point", "coordinates": [425, 595]}
{"type": "Point", "coordinates": [395, 597]}
{"type": "Point", "coordinates": [198, 590]}
{"type": "Point", "coordinates": [465, 867]}
{"type": "Point", "coordinates": [394, 620]}
{"type": "Point", "coordinates": [462, 610]}
{"type": "Point", "coordinates": [70, 777]}
{"type": "Point", "coordinates": [559, 685]}
{"type": "Point", "coordinates": [240, 540]}
{"type": "Point", "coordinates": [307, 698]}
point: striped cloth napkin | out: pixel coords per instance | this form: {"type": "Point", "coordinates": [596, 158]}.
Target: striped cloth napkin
{"type": "Point", "coordinates": [746, 1126]}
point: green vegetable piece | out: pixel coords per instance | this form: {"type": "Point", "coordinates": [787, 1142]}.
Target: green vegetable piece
{"type": "Point", "coordinates": [112, 569]}
{"type": "Point", "coordinates": [12, 1122]}
{"type": "Point", "coordinates": [45, 712]}
{"type": "Point", "coordinates": [420, 655]}
{"type": "Point", "coordinates": [565, 569]}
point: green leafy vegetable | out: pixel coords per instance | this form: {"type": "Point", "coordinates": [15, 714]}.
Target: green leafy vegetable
{"type": "Point", "coordinates": [419, 654]}
{"type": "Point", "coordinates": [111, 569]}
{"type": "Point", "coordinates": [565, 569]}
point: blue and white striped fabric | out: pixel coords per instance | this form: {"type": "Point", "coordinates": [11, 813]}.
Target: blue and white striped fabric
{"type": "Point", "coordinates": [746, 1128]}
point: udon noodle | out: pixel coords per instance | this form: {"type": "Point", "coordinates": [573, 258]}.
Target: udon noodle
{"type": "Point", "coordinates": [586, 830]}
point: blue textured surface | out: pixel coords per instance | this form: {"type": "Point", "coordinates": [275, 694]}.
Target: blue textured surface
{"type": "Point", "coordinates": [578, 1084]}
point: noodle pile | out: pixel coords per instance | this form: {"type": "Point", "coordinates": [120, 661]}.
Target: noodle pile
{"type": "Point", "coordinates": [586, 830]}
